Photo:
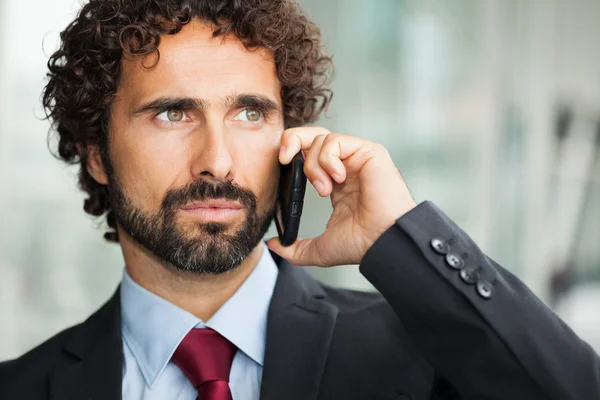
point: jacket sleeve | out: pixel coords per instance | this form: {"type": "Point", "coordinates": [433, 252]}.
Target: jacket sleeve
{"type": "Point", "coordinates": [479, 326]}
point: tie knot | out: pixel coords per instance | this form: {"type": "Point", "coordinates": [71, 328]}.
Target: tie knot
{"type": "Point", "coordinates": [204, 356]}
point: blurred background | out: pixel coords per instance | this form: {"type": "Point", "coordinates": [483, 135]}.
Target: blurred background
{"type": "Point", "coordinates": [490, 108]}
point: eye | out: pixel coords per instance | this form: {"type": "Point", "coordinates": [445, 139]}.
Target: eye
{"type": "Point", "coordinates": [250, 115]}
{"type": "Point", "coordinates": [173, 115]}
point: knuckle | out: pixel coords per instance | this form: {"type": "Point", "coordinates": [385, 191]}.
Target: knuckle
{"type": "Point", "coordinates": [380, 149]}
{"type": "Point", "coordinates": [332, 137]}
{"type": "Point", "coordinates": [318, 139]}
{"type": "Point", "coordinates": [324, 157]}
{"type": "Point", "coordinates": [289, 135]}
{"type": "Point", "coordinates": [323, 130]}
{"type": "Point", "coordinates": [285, 136]}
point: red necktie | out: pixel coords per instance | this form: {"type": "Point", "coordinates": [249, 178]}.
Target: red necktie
{"type": "Point", "coordinates": [205, 358]}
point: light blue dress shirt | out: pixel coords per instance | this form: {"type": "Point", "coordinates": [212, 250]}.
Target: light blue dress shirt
{"type": "Point", "coordinates": [153, 328]}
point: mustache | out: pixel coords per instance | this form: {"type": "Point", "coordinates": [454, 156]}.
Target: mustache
{"type": "Point", "coordinates": [201, 190]}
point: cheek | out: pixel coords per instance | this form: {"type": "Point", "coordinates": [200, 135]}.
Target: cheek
{"type": "Point", "coordinates": [257, 168]}
{"type": "Point", "coordinates": [272, 184]}
{"type": "Point", "coordinates": [146, 170]}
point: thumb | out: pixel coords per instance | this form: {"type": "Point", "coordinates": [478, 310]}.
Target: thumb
{"type": "Point", "coordinates": [301, 252]}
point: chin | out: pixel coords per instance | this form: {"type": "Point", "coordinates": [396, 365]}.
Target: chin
{"type": "Point", "coordinates": [214, 228]}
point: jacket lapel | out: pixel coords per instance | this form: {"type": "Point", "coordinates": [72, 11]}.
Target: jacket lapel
{"type": "Point", "coordinates": [299, 331]}
{"type": "Point", "coordinates": [97, 351]}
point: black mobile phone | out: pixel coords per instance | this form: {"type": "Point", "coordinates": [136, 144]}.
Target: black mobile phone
{"type": "Point", "coordinates": [292, 185]}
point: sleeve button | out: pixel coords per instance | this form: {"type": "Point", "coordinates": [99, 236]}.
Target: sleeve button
{"type": "Point", "coordinates": [440, 246]}
{"type": "Point", "coordinates": [454, 261]}
{"type": "Point", "coordinates": [485, 289]}
{"type": "Point", "coordinates": [469, 275]}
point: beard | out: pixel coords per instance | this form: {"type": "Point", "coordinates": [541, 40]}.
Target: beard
{"type": "Point", "coordinates": [208, 248]}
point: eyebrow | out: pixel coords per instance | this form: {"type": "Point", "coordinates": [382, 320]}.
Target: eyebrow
{"type": "Point", "coordinates": [170, 103]}
{"type": "Point", "coordinates": [261, 102]}
{"type": "Point", "coordinates": [161, 104]}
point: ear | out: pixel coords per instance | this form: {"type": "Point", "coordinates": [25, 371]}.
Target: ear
{"type": "Point", "coordinates": [95, 166]}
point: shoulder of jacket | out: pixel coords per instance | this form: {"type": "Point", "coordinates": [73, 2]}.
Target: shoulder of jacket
{"type": "Point", "coordinates": [37, 362]}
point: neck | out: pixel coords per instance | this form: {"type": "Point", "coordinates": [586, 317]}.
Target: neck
{"type": "Point", "coordinates": [200, 295]}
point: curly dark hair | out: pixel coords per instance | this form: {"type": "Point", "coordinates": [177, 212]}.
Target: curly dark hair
{"type": "Point", "coordinates": [84, 72]}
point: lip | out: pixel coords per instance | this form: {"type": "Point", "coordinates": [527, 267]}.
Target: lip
{"type": "Point", "coordinates": [218, 210]}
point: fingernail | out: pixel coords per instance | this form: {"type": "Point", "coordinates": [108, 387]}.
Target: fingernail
{"type": "Point", "coordinates": [319, 186]}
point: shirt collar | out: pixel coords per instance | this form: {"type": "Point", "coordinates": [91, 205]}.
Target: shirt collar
{"type": "Point", "coordinates": [153, 327]}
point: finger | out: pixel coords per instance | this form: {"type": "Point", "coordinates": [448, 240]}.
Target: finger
{"type": "Point", "coordinates": [347, 146]}
{"type": "Point", "coordinates": [295, 139]}
{"type": "Point", "coordinates": [319, 178]}
{"type": "Point", "coordinates": [330, 157]}
{"type": "Point", "coordinates": [303, 252]}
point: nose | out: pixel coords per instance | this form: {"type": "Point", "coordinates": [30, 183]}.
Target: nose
{"type": "Point", "coordinates": [212, 157]}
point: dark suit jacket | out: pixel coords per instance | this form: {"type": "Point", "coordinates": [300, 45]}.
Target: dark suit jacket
{"type": "Point", "coordinates": [428, 335]}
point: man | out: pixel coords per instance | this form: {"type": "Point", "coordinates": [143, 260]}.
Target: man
{"type": "Point", "coordinates": [175, 110]}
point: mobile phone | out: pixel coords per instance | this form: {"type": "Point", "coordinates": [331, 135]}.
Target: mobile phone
{"type": "Point", "coordinates": [288, 210]}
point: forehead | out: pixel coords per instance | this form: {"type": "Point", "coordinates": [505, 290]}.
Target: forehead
{"type": "Point", "coordinates": [193, 63]}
